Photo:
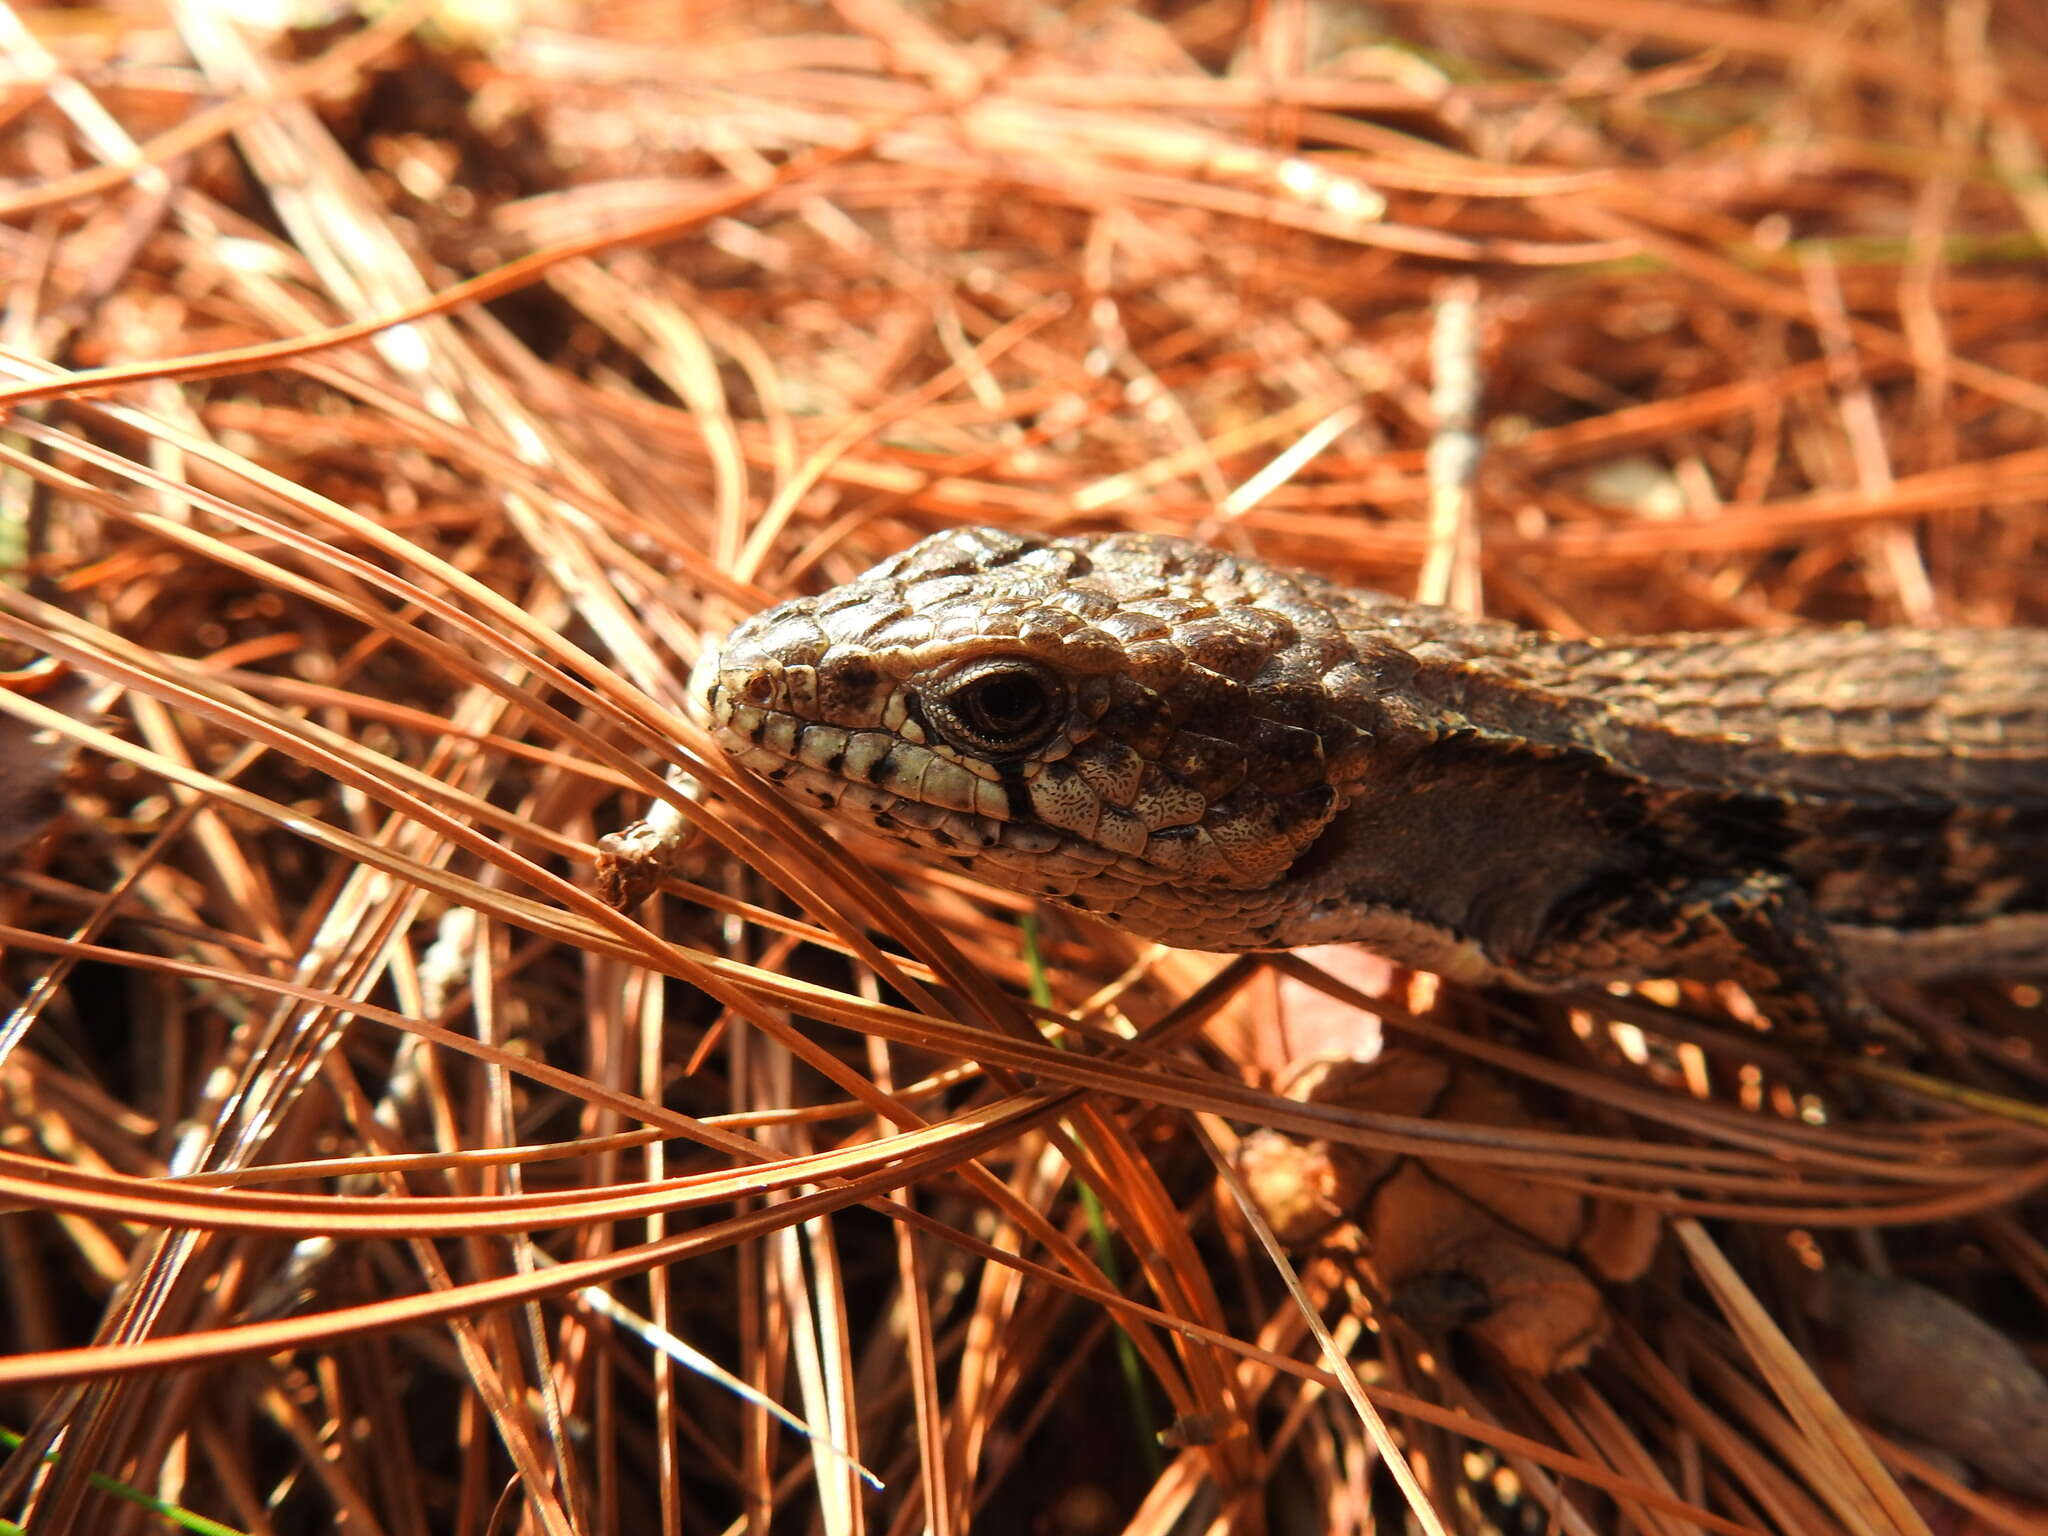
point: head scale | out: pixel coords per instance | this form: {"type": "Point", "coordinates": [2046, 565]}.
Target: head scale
{"type": "Point", "coordinates": [1100, 720]}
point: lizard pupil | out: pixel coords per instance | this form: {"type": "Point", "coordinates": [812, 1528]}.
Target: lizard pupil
{"type": "Point", "coordinates": [1006, 706]}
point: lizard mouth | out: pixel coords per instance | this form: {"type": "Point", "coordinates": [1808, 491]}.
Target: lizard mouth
{"type": "Point", "coordinates": [895, 788]}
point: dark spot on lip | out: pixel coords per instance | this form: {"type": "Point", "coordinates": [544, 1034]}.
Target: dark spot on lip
{"type": "Point", "coordinates": [1010, 773]}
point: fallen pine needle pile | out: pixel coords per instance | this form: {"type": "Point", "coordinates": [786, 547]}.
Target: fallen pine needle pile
{"type": "Point", "coordinates": [392, 411]}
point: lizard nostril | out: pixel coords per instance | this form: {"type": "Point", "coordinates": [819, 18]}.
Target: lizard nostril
{"type": "Point", "coordinates": [758, 689]}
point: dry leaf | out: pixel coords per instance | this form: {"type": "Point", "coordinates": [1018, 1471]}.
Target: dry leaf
{"type": "Point", "coordinates": [1455, 1245]}
{"type": "Point", "coordinates": [33, 760]}
{"type": "Point", "coordinates": [1930, 1368]}
{"type": "Point", "coordinates": [1305, 1187]}
{"type": "Point", "coordinates": [1536, 1309]}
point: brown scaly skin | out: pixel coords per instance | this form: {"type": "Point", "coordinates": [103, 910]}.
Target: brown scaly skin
{"type": "Point", "coordinates": [1223, 754]}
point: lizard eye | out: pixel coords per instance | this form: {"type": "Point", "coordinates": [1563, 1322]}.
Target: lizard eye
{"type": "Point", "coordinates": [997, 708]}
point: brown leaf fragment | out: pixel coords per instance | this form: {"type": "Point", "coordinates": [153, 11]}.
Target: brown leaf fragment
{"type": "Point", "coordinates": [1439, 1300]}
{"type": "Point", "coordinates": [1455, 1244]}
{"type": "Point", "coordinates": [1536, 1309]}
{"type": "Point", "coordinates": [1302, 1188]}
{"type": "Point", "coordinates": [1621, 1239]}
{"type": "Point", "coordinates": [1930, 1368]}
{"type": "Point", "coordinates": [1553, 1217]}
{"type": "Point", "coordinates": [33, 761]}
{"type": "Point", "coordinates": [1547, 1316]}
{"type": "Point", "coordinates": [1395, 1082]}
{"type": "Point", "coordinates": [1306, 1187]}
{"type": "Point", "coordinates": [1419, 1224]}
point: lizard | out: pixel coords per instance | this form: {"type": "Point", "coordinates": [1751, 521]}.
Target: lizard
{"type": "Point", "coordinates": [1214, 752]}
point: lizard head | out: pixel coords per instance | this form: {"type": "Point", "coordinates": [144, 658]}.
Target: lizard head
{"type": "Point", "coordinates": [1103, 720]}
